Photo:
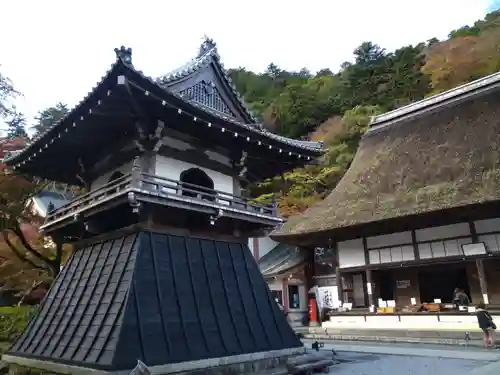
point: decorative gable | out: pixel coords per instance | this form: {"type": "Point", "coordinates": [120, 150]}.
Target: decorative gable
{"type": "Point", "coordinates": [206, 93]}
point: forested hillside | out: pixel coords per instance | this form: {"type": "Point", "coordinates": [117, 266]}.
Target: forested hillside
{"type": "Point", "coordinates": [336, 106]}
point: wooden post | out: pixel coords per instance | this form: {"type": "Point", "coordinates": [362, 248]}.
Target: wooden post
{"type": "Point", "coordinates": [284, 285]}
{"type": "Point", "coordinates": [136, 173]}
{"type": "Point", "coordinates": [482, 280]}
{"type": "Point", "coordinates": [340, 290]}
{"type": "Point", "coordinates": [369, 288]}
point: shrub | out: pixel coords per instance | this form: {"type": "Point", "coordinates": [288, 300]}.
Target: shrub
{"type": "Point", "coordinates": [13, 320]}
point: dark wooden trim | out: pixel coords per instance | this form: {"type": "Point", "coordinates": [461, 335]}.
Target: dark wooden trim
{"type": "Point", "coordinates": [155, 228]}
{"type": "Point", "coordinates": [365, 250]}
{"type": "Point", "coordinates": [422, 262]}
{"type": "Point", "coordinates": [340, 286]}
{"type": "Point", "coordinates": [414, 243]}
{"type": "Point", "coordinates": [472, 228]}
{"type": "Point", "coordinates": [134, 228]}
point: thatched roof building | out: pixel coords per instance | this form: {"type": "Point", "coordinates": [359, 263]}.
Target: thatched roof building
{"type": "Point", "coordinates": [439, 155]}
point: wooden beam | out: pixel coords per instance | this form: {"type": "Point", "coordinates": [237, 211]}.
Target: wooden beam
{"type": "Point", "coordinates": [340, 290]}
{"type": "Point", "coordinates": [369, 287]}
{"type": "Point", "coordinates": [366, 252]}
{"type": "Point", "coordinates": [473, 232]}
{"type": "Point", "coordinates": [482, 280]}
{"type": "Point", "coordinates": [414, 243]}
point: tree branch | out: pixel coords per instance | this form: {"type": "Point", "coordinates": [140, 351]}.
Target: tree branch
{"type": "Point", "coordinates": [19, 233]}
{"type": "Point", "coordinates": [18, 253]}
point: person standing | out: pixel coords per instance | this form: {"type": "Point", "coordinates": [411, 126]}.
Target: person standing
{"type": "Point", "coordinates": [487, 325]}
{"type": "Point", "coordinates": [460, 298]}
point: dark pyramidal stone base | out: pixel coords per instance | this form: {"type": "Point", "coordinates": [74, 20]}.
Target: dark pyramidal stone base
{"type": "Point", "coordinates": [160, 298]}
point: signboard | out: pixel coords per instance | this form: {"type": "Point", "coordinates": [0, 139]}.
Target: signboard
{"type": "Point", "coordinates": [403, 284]}
{"type": "Point", "coordinates": [327, 297]}
{"type": "Point", "coordinates": [474, 248]}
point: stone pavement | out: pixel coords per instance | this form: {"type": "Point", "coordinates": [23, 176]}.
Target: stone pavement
{"type": "Point", "coordinates": [412, 359]}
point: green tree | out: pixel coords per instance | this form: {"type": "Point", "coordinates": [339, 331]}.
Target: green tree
{"type": "Point", "coordinates": [16, 126]}
{"type": "Point", "coordinates": [49, 116]}
{"type": "Point", "coordinates": [7, 93]}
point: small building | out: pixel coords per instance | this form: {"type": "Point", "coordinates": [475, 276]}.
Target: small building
{"type": "Point", "coordinates": [161, 270]}
{"type": "Point", "coordinates": [287, 271]}
{"type": "Point", "coordinates": [417, 213]}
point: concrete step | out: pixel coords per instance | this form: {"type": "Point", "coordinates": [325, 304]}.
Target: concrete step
{"type": "Point", "coordinates": [442, 334]}
{"type": "Point", "coordinates": [394, 339]}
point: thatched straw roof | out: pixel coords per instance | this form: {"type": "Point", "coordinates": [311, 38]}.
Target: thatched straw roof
{"type": "Point", "coordinates": [444, 158]}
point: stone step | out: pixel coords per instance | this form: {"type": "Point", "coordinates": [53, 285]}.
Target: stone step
{"type": "Point", "coordinates": [458, 335]}
{"type": "Point", "coordinates": [394, 339]}
{"type": "Point", "coordinates": [308, 368]}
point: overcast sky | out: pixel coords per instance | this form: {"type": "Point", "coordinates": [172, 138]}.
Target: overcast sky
{"type": "Point", "coordinates": [57, 50]}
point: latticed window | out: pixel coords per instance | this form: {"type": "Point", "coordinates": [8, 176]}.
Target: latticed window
{"type": "Point", "coordinates": [206, 93]}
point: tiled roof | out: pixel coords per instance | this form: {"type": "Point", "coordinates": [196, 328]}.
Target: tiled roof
{"type": "Point", "coordinates": [119, 64]}
{"type": "Point", "coordinates": [208, 54]}
{"type": "Point", "coordinates": [281, 259]}
{"type": "Point", "coordinates": [158, 298]}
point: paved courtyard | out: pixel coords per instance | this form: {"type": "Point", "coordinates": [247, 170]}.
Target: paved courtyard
{"type": "Point", "coordinates": [384, 364]}
{"type": "Point", "coordinates": [411, 359]}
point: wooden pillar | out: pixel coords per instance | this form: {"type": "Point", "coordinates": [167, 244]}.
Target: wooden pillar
{"type": "Point", "coordinates": [340, 290]}
{"type": "Point", "coordinates": [284, 285]}
{"type": "Point", "coordinates": [369, 288]}
{"type": "Point", "coordinates": [255, 243]}
{"type": "Point", "coordinates": [482, 280]}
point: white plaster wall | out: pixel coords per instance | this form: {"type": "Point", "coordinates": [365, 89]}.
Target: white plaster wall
{"type": "Point", "coordinates": [487, 226]}
{"type": "Point", "coordinates": [172, 169]}
{"type": "Point", "coordinates": [392, 239]}
{"type": "Point", "coordinates": [442, 232]}
{"type": "Point", "coordinates": [276, 285]}
{"type": "Point", "coordinates": [104, 178]}
{"type": "Point", "coordinates": [351, 253]}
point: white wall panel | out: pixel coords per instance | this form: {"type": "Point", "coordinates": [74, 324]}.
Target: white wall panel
{"type": "Point", "coordinates": [172, 169]}
{"type": "Point", "coordinates": [440, 249]}
{"type": "Point", "coordinates": [487, 226]}
{"type": "Point", "coordinates": [442, 232]}
{"type": "Point", "coordinates": [351, 253]}
{"type": "Point", "coordinates": [491, 241]}
{"type": "Point", "coordinates": [391, 254]}
{"type": "Point", "coordinates": [392, 239]}
{"type": "Point", "coordinates": [104, 178]}
{"type": "Point", "coordinates": [407, 252]}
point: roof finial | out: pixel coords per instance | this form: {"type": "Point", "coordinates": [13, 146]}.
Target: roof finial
{"type": "Point", "coordinates": [207, 45]}
{"type": "Point", "coordinates": [124, 55]}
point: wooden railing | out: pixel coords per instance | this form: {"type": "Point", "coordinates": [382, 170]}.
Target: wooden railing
{"type": "Point", "coordinates": [92, 198]}
{"type": "Point", "coordinates": [168, 187]}
{"type": "Point", "coordinates": [162, 187]}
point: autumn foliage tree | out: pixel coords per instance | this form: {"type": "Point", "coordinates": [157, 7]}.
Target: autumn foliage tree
{"type": "Point", "coordinates": [19, 224]}
{"type": "Point", "coordinates": [24, 256]}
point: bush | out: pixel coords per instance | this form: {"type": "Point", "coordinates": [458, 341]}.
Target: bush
{"type": "Point", "coordinates": [13, 321]}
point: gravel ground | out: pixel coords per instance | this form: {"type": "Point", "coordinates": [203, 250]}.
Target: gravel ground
{"type": "Point", "coordinates": [371, 364]}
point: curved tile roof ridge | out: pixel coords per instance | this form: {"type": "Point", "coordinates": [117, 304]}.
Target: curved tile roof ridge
{"type": "Point", "coordinates": [209, 54]}
{"type": "Point", "coordinates": [256, 127]}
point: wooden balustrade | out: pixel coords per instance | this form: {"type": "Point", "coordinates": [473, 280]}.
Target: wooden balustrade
{"type": "Point", "coordinates": [167, 186]}
{"type": "Point", "coordinates": [162, 187]}
{"type": "Point", "coordinates": [110, 189]}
